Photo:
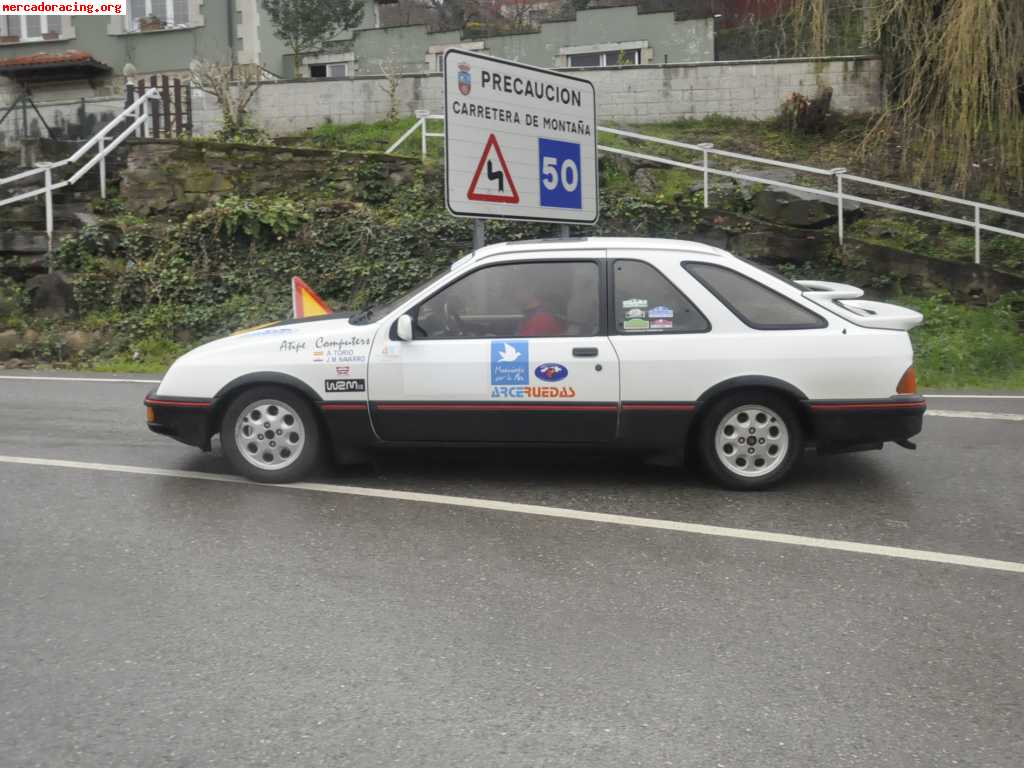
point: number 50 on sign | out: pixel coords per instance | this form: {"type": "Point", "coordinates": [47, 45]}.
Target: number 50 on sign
{"type": "Point", "coordinates": [560, 174]}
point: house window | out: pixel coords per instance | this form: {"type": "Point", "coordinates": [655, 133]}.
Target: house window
{"type": "Point", "coordinates": [611, 58]}
{"type": "Point", "coordinates": [29, 27]}
{"type": "Point", "coordinates": [149, 14]}
{"type": "Point", "coordinates": [335, 69]}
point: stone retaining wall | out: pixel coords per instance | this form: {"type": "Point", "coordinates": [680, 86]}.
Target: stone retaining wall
{"type": "Point", "coordinates": [174, 177]}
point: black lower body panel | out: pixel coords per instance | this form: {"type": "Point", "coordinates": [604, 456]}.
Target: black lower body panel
{"type": "Point", "coordinates": [187, 420]}
{"type": "Point", "coordinates": [866, 424]}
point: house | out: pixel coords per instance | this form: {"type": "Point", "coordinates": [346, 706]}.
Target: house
{"type": "Point", "coordinates": [78, 65]}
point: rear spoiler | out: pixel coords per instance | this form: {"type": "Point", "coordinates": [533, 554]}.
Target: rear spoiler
{"type": "Point", "coordinates": [846, 301]}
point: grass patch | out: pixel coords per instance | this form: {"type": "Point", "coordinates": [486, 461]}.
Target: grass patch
{"type": "Point", "coordinates": [961, 346]}
{"type": "Point", "coordinates": [372, 137]}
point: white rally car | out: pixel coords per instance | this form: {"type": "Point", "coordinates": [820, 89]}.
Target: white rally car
{"type": "Point", "coordinates": [656, 346]}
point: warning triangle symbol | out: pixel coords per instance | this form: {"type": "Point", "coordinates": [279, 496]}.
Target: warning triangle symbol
{"type": "Point", "coordinates": [492, 182]}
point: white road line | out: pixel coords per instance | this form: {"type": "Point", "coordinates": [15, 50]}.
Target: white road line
{"type": "Point", "coordinates": [977, 415]}
{"type": "Point", "coordinates": [533, 509]}
{"type": "Point", "coordinates": [929, 395]}
{"type": "Point", "coordinates": [81, 378]}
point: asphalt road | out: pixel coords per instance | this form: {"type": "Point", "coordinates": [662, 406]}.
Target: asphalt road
{"type": "Point", "coordinates": [165, 621]}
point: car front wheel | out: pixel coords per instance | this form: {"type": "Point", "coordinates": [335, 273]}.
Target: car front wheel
{"type": "Point", "coordinates": [270, 435]}
{"type": "Point", "coordinates": [750, 441]}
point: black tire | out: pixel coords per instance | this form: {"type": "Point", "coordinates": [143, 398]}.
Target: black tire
{"type": "Point", "coordinates": [726, 470]}
{"type": "Point", "coordinates": [298, 463]}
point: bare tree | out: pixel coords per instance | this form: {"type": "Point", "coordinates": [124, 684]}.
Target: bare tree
{"type": "Point", "coordinates": [232, 85]}
{"type": "Point", "coordinates": [391, 68]}
{"type": "Point", "coordinates": [453, 14]}
{"type": "Point", "coordinates": [520, 14]}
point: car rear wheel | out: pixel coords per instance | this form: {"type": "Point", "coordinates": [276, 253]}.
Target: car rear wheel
{"type": "Point", "coordinates": [270, 435]}
{"type": "Point", "coordinates": [750, 441]}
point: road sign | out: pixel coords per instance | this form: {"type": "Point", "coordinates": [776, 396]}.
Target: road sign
{"type": "Point", "coordinates": [497, 186]}
{"type": "Point", "coordinates": [520, 142]}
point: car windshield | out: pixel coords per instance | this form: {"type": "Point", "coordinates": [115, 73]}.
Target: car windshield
{"type": "Point", "coordinates": [372, 312]}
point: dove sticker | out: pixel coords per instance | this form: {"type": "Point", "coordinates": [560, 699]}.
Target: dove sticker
{"type": "Point", "coordinates": [510, 362]}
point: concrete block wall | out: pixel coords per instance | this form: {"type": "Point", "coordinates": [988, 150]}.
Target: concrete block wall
{"type": "Point", "coordinates": [644, 94]}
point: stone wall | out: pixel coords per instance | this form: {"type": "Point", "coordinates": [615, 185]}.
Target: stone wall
{"type": "Point", "coordinates": [643, 94]}
{"type": "Point", "coordinates": [165, 176]}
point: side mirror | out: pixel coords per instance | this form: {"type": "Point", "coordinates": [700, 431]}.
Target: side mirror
{"type": "Point", "coordinates": [404, 328]}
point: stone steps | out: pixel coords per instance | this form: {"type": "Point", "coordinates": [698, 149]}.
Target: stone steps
{"type": "Point", "coordinates": [23, 241]}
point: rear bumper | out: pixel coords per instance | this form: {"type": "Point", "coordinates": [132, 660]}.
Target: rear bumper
{"type": "Point", "coordinates": [187, 420]}
{"type": "Point", "coordinates": [849, 425]}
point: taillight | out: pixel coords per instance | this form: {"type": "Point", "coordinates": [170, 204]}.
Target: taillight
{"type": "Point", "coordinates": [908, 383]}
{"type": "Point", "coordinates": [150, 414]}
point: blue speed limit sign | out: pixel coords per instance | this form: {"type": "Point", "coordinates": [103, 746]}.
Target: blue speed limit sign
{"type": "Point", "coordinates": [560, 185]}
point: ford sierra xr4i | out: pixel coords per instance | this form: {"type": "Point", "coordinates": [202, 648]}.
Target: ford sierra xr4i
{"type": "Point", "coordinates": [651, 346]}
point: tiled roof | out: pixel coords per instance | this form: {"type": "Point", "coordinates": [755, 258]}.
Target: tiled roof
{"type": "Point", "coordinates": [49, 60]}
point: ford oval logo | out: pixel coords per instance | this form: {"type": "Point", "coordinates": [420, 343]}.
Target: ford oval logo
{"type": "Point", "coordinates": [551, 372]}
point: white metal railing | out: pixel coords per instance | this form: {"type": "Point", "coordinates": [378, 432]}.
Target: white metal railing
{"type": "Point", "coordinates": [839, 175]}
{"type": "Point", "coordinates": [138, 110]}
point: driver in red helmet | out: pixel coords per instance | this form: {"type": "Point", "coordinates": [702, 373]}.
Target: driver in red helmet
{"type": "Point", "coordinates": [539, 318]}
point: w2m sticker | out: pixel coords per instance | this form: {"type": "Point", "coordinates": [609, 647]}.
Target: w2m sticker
{"type": "Point", "coordinates": [560, 185]}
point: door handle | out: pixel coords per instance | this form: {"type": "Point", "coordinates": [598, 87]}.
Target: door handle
{"type": "Point", "coordinates": [584, 351]}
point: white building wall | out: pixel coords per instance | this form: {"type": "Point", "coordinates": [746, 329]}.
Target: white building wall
{"type": "Point", "coordinates": [644, 94]}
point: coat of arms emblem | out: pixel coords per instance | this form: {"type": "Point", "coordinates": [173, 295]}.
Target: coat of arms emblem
{"type": "Point", "coordinates": [465, 79]}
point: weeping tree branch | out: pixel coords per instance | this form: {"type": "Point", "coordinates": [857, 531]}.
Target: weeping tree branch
{"type": "Point", "coordinates": [954, 82]}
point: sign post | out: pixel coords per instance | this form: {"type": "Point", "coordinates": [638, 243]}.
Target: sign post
{"type": "Point", "coordinates": [520, 142]}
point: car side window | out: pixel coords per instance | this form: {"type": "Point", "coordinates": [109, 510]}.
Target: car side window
{"type": "Point", "coordinates": [526, 300]}
{"type": "Point", "coordinates": [646, 302]}
{"type": "Point", "coordinates": [755, 304]}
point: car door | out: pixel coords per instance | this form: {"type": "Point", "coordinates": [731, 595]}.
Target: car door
{"type": "Point", "coordinates": [510, 352]}
{"type": "Point", "coordinates": [656, 331]}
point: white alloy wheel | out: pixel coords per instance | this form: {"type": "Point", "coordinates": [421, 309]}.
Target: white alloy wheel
{"type": "Point", "coordinates": [751, 441]}
{"type": "Point", "coordinates": [270, 435]}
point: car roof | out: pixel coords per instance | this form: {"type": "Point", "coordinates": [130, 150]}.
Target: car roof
{"type": "Point", "coordinates": [528, 247]}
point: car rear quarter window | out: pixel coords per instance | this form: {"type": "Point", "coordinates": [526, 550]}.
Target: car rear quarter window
{"type": "Point", "coordinates": [755, 304]}
{"type": "Point", "coordinates": [645, 301]}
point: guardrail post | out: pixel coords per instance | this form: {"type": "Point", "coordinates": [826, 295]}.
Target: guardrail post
{"type": "Point", "coordinates": [707, 187]}
{"type": "Point", "coordinates": [48, 181]}
{"type": "Point", "coordinates": [422, 115]}
{"type": "Point", "coordinates": [977, 234]}
{"type": "Point", "coordinates": [103, 167]}
{"type": "Point", "coordinates": [147, 111]}
{"type": "Point", "coordinates": [838, 173]}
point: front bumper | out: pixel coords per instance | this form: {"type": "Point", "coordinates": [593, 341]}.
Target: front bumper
{"type": "Point", "coordinates": [187, 420]}
{"type": "Point", "coordinates": [865, 424]}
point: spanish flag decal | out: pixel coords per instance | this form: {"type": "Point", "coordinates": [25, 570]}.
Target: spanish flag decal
{"type": "Point", "coordinates": [305, 302]}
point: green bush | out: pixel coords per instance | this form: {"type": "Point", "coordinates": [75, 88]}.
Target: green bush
{"type": "Point", "coordinates": [965, 346]}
